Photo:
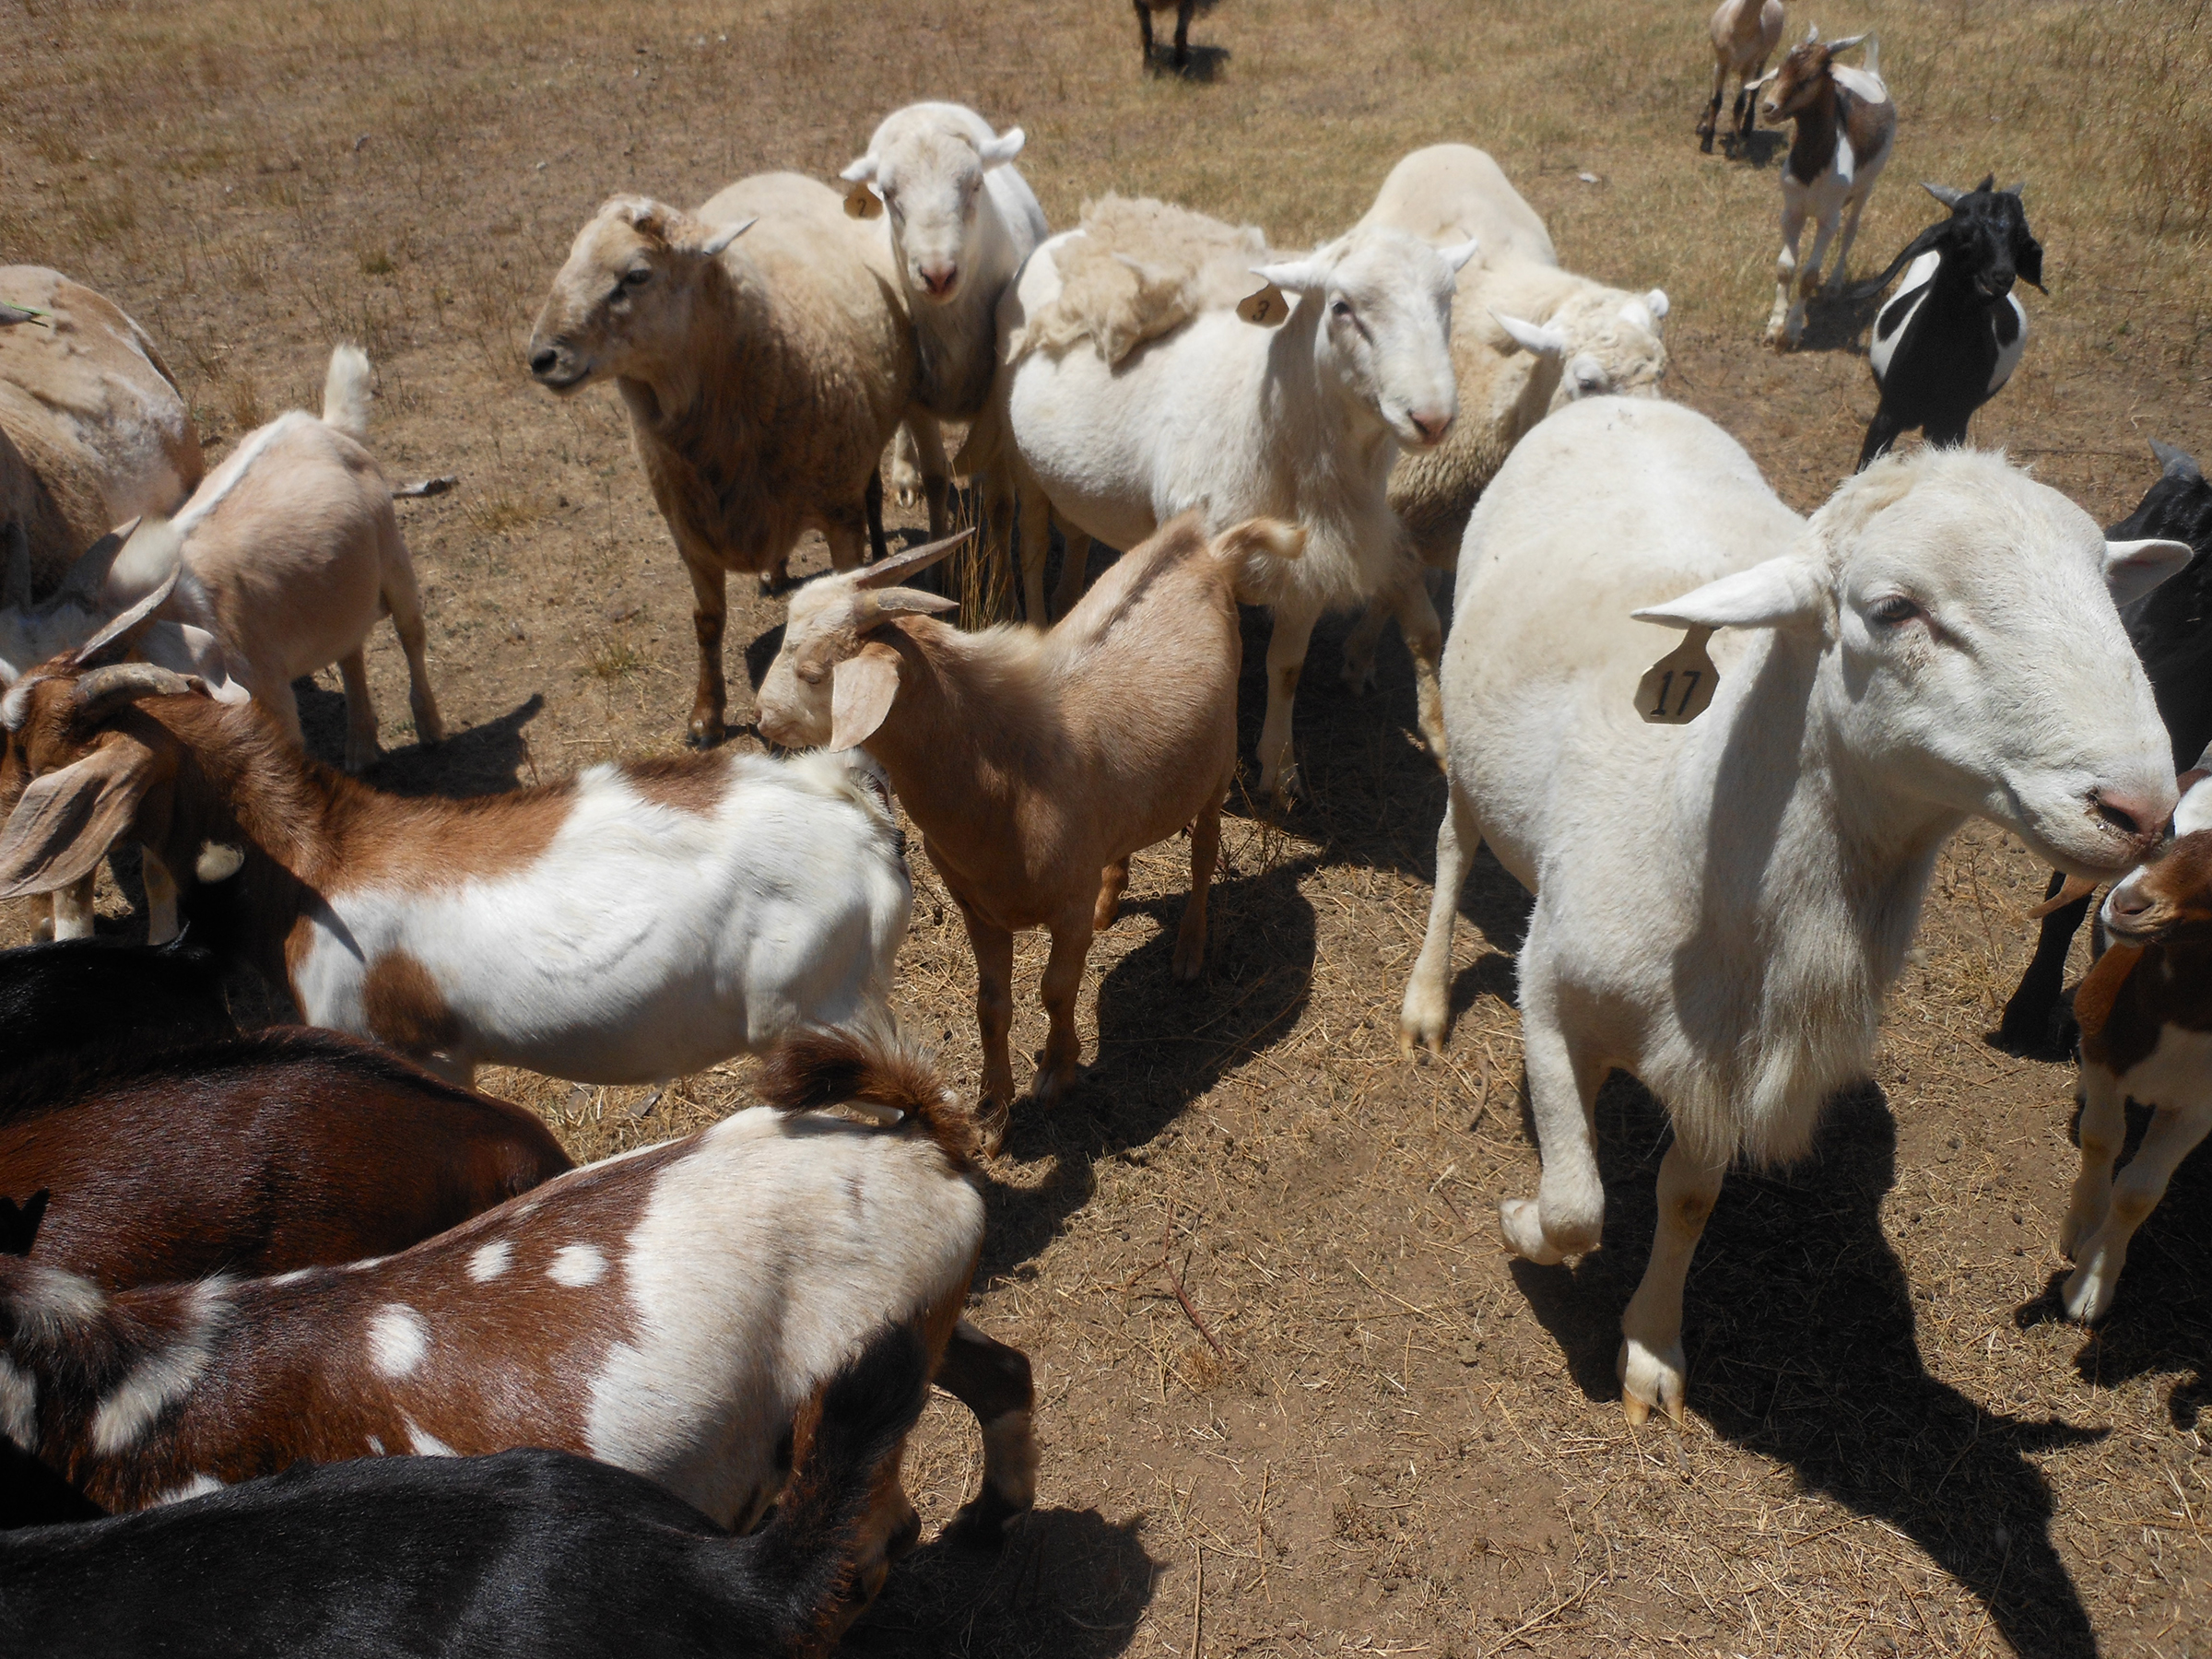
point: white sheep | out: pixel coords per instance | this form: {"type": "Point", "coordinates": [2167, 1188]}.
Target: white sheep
{"type": "Point", "coordinates": [1300, 422]}
{"type": "Point", "coordinates": [1721, 905]}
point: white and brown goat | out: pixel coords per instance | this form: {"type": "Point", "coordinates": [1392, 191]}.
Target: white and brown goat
{"type": "Point", "coordinates": [668, 1311]}
{"type": "Point", "coordinates": [1745, 33]}
{"type": "Point", "coordinates": [1036, 763]}
{"type": "Point", "coordinates": [638, 921]}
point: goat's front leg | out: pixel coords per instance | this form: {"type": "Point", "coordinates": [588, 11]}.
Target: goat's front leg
{"type": "Point", "coordinates": [1206, 847]}
{"type": "Point", "coordinates": [1063, 979]}
{"type": "Point", "coordinates": [2103, 1127]}
{"type": "Point", "coordinates": [2173, 1133]}
{"type": "Point", "coordinates": [1144, 28]}
{"type": "Point", "coordinates": [1424, 635]}
{"type": "Point", "coordinates": [1713, 110]}
{"type": "Point", "coordinates": [1183, 32]}
{"type": "Point", "coordinates": [1882, 431]}
{"type": "Point", "coordinates": [1287, 642]}
{"type": "Point", "coordinates": [1568, 1214]}
{"type": "Point", "coordinates": [1652, 1368]}
{"type": "Point", "coordinates": [73, 908]}
{"type": "Point", "coordinates": [993, 1382]}
{"type": "Point", "coordinates": [1780, 321]}
{"type": "Point", "coordinates": [1809, 279]}
{"type": "Point", "coordinates": [360, 712]}
{"type": "Point", "coordinates": [1359, 645]}
{"type": "Point", "coordinates": [710, 608]}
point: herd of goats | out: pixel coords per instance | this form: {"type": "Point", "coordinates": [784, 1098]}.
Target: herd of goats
{"type": "Point", "coordinates": [1720, 743]}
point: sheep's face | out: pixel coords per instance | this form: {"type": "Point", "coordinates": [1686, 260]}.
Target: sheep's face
{"type": "Point", "coordinates": [929, 170]}
{"type": "Point", "coordinates": [1613, 347]}
{"type": "Point", "coordinates": [622, 304]}
{"type": "Point", "coordinates": [1384, 331]}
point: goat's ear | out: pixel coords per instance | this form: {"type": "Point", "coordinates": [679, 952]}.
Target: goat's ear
{"type": "Point", "coordinates": [19, 1222]}
{"type": "Point", "coordinates": [15, 577]}
{"type": "Point", "coordinates": [721, 238]}
{"type": "Point", "coordinates": [2028, 261]}
{"type": "Point", "coordinates": [1781, 593]}
{"type": "Point", "coordinates": [2193, 810]}
{"type": "Point", "coordinates": [1539, 338]}
{"type": "Point", "coordinates": [861, 691]}
{"type": "Point", "coordinates": [2132, 568]}
{"type": "Point", "coordinates": [998, 151]}
{"type": "Point", "coordinates": [1763, 79]}
{"type": "Point", "coordinates": [67, 819]}
{"type": "Point", "coordinates": [2174, 462]}
{"type": "Point", "coordinates": [113, 643]}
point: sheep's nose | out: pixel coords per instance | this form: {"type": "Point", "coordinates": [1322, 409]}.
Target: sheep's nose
{"type": "Point", "coordinates": [1432, 424]}
{"type": "Point", "coordinates": [938, 279]}
{"type": "Point", "coordinates": [2135, 816]}
{"type": "Point", "coordinates": [543, 360]}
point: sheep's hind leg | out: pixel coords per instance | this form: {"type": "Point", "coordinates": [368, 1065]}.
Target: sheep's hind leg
{"type": "Point", "coordinates": [1713, 110]}
{"type": "Point", "coordinates": [1063, 979]}
{"type": "Point", "coordinates": [1190, 938]}
{"type": "Point", "coordinates": [2173, 1133]}
{"type": "Point", "coordinates": [1427, 1005]}
{"type": "Point", "coordinates": [993, 1382]}
{"type": "Point", "coordinates": [1567, 1217]}
{"type": "Point", "coordinates": [1287, 642]}
{"type": "Point", "coordinates": [1651, 1367]}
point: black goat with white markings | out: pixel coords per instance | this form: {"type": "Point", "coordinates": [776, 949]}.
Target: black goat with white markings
{"type": "Point", "coordinates": [1954, 332]}
{"type": "Point", "coordinates": [2171, 629]}
{"type": "Point", "coordinates": [526, 1552]}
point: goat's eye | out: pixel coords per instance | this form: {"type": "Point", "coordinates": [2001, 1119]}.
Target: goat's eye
{"type": "Point", "coordinates": [1895, 610]}
{"type": "Point", "coordinates": [810, 672]}
{"type": "Point", "coordinates": [637, 278]}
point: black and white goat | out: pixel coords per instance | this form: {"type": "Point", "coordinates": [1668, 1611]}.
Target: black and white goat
{"type": "Point", "coordinates": [2171, 629]}
{"type": "Point", "coordinates": [1954, 332]}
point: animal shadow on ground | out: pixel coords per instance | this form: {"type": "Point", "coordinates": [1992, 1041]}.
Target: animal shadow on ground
{"type": "Point", "coordinates": [2161, 1319]}
{"type": "Point", "coordinates": [1068, 1584]}
{"type": "Point", "coordinates": [491, 759]}
{"type": "Point", "coordinates": [1838, 323]}
{"type": "Point", "coordinates": [1800, 1329]}
{"type": "Point", "coordinates": [1760, 149]}
{"type": "Point", "coordinates": [1203, 68]}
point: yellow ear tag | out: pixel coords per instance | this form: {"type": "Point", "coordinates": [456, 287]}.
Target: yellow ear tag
{"type": "Point", "coordinates": [1679, 688]}
{"type": "Point", "coordinates": [862, 203]}
{"type": "Point", "coordinates": [1266, 308]}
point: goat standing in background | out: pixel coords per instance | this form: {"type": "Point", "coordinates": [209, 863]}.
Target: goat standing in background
{"type": "Point", "coordinates": [1745, 33]}
{"type": "Point", "coordinates": [1846, 127]}
{"type": "Point", "coordinates": [1953, 335]}
{"type": "Point", "coordinates": [1183, 9]}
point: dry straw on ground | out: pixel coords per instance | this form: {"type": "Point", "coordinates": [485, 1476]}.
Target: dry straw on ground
{"type": "Point", "coordinates": [1385, 1438]}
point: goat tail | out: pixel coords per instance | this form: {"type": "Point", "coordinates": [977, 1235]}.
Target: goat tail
{"type": "Point", "coordinates": [874, 1068]}
{"type": "Point", "coordinates": [1258, 551]}
{"type": "Point", "coordinates": [345, 392]}
{"type": "Point", "coordinates": [845, 1456]}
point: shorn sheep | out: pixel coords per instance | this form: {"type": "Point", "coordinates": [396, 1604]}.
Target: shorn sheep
{"type": "Point", "coordinates": [1721, 905]}
{"type": "Point", "coordinates": [765, 358]}
{"type": "Point", "coordinates": [1299, 420]}
{"type": "Point", "coordinates": [1745, 33]}
{"type": "Point", "coordinates": [1846, 129]}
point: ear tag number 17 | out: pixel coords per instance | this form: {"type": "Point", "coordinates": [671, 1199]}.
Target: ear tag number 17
{"type": "Point", "coordinates": [1679, 688]}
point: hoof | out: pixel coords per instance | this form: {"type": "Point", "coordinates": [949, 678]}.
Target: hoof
{"type": "Point", "coordinates": [705, 736]}
{"type": "Point", "coordinates": [1649, 1379]}
{"type": "Point", "coordinates": [981, 1525]}
{"type": "Point", "coordinates": [1521, 1225]}
{"type": "Point", "coordinates": [1190, 961]}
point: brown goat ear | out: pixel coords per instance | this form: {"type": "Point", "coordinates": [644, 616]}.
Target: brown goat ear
{"type": "Point", "coordinates": [67, 819]}
{"type": "Point", "coordinates": [890, 572]}
{"type": "Point", "coordinates": [113, 643]}
{"type": "Point", "coordinates": [861, 691]}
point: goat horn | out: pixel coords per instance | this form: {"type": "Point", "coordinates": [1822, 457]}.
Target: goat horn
{"type": "Point", "coordinates": [119, 636]}
{"type": "Point", "coordinates": [125, 682]}
{"type": "Point", "coordinates": [887, 572]}
{"type": "Point", "coordinates": [1944, 194]}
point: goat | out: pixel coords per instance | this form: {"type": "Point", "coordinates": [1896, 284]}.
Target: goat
{"type": "Point", "coordinates": [1720, 909]}
{"type": "Point", "coordinates": [1033, 762]}
{"type": "Point", "coordinates": [1846, 127]}
{"type": "Point", "coordinates": [638, 921]}
{"type": "Point", "coordinates": [256, 1155]}
{"type": "Point", "coordinates": [2171, 632]}
{"type": "Point", "coordinates": [1950, 340]}
{"type": "Point", "coordinates": [668, 1311]}
{"type": "Point", "coordinates": [1183, 9]}
{"type": "Point", "coordinates": [78, 994]}
{"type": "Point", "coordinates": [2146, 1017]}
{"type": "Point", "coordinates": [528, 1551]}
{"type": "Point", "coordinates": [762, 377]}
{"type": "Point", "coordinates": [1745, 33]}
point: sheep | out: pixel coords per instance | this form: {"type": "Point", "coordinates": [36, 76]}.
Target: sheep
{"type": "Point", "coordinates": [1299, 420]}
{"type": "Point", "coordinates": [527, 1551]}
{"type": "Point", "coordinates": [93, 431]}
{"type": "Point", "coordinates": [2171, 632]}
{"type": "Point", "coordinates": [1846, 129]}
{"type": "Point", "coordinates": [288, 1148]}
{"type": "Point", "coordinates": [763, 377]}
{"type": "Point", "coordinates": [1745, 33]}
{"type": "Point", "coordinates": [1950, 340]}
{"type": "Point", "coordinates": [1448, 193]}
{"type": "Point", "coordinates": [2145, 1010]}
{"type": "Point", "coordinates": [283, 560]}
{"type": "Point", "coordinates": [1720, 909]}
{"type": "Point", "coordinates": [79, 993]}
{"type": "Point", "coordinates": [639, 921]}
{"type": "Point", "coordinates": [1183, 9]}
{"type": "Point", "coordinates": [1033, 762]}
{"type": "Point", "coordinates": [667, 1312]}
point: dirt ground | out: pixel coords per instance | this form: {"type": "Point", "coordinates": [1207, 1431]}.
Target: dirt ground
{"type": "Point", "coordinates": [1369, 1432]}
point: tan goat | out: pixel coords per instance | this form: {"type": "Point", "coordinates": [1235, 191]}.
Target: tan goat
{"type": "Point", "coordinates": [1036, 763]}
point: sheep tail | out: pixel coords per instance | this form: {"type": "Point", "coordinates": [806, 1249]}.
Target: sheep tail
{"type": "Point", "coordinates": [345, 392]}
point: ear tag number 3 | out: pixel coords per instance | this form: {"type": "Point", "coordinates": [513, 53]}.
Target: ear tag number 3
{"type": "Point", "coordinates": [1266, 308]}
{"type": "Point", "coordinates": [1679, 688]}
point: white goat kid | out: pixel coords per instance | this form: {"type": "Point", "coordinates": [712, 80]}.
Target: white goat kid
{"type": "Point", "coordinates": [1237, 421]}
{"type": "Point", "coordinates": [1721, 905]}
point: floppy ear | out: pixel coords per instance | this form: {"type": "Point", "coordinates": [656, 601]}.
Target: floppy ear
{"type": "Point", "coordinates": [1655, 301]}
{"type": "Point", "coordinates": [2174, 462]}
{"type": "Point", "coordinates": [1763, 79]}
{"type": "Point", "coordinates": [998, 151]}
{"type": "Point", "coordinates": [20, 1223]}
{"type": "Point", "coordinates": [2028, 262]}
{"type": "Point", "coordinates": [1539, 338]}
{"type": "Point", "coordinates": [1295, 275]}
{"type": "Point", "coordinates": [67, 819]}
{"type": "Point", "coordinates": [113, 643]}
{"type": "Point", "coordinates": [15, 580]}
{"type": "Point", "coordinates": [1779, 593]}
{"type": "Point", "coordinates": [1455, 258]}
{"type": "Point", "coordinates": [861, 691]}
{"type": "Point", "coordinates": [725, 236]}
{"type": "Point", "coordinates": [2133, 568]}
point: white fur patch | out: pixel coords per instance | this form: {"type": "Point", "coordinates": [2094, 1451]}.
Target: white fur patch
{"type": "Point", "coordinates": [399, 1339]}
{"type": "Point", "coordinates": [376, 1447]}
{"type": "Point", "coordinates": [577, 1264]}
{"type": "Point", "coordinates": [199, 1485]}
{"type": "Point", "coordinates": [126, 1415]}
{"type": "Point", "coordinates": [293, 1277]}
{"type": "Point", "coordinates": [363, 1265]}
{"type": "Point", "coordinates": [19, 1405]}
{"type": "Point", "coordinates": [2194, 813]}
{"type": "Point", "coordinates": [488, 1261]}
{"type": "Point", "coordinates": [423, 1443]}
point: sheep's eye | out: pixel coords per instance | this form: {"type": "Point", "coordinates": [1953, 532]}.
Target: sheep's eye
{"type": "Point", "coordinates": [637, 278]}
{"type": "Point", "coordinates": [1342, 307]}
{"type": "Point", "coordinates": [1894, 610]}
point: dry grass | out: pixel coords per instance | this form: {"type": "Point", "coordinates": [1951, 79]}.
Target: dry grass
{"type": "Point", "coordinates": [1404, 1445]}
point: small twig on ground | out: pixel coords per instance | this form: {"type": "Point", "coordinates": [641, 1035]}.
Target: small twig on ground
{"type": "Point", "coordinates": [1175, 1284]}
{"type": "Point", "coordinates": [424, 486]}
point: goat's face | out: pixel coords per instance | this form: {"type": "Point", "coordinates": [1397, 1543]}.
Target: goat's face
{"type": "Point", "coordinates": [1384, 331]}
{"type": "Point", "coordinates": [1798, 84]}
{"type": "Point", "coordinates": [929, 174]}
{"type": "Point", "coordinates": [2168, 900]}
{"type": "Point", "coordinates": [623, 303]}
{"type": "Point", "coordinates": [1988, 238]}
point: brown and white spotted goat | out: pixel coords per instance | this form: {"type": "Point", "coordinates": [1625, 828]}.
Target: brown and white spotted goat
{"type": "Point", "coordinates": [667, 1312]}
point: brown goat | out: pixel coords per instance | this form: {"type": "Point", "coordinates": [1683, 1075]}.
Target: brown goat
{"type": "Point", "coordinates": [1036, 763]}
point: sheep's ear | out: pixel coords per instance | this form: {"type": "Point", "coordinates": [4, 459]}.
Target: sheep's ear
{"type": "Point", "coordinates": [862, 171]}
{"type": "Point", "coordinates": [1778, 594]}
{"type": "Point", "coordinates": [2132, 568]}
{"type": "Point", "coordinates": [862, 202]}
{"type": "Point", "coordinates": [1944, 193]}
{"type": "Point", "coordinates": [998, 151]}
{"type": "Point", "coordinates": [725, 236]}
{"type": "Point", "coordinates": [1656, 302]}
{"type": "Point", "coordinates": [2174, 462]}
{"type": "Point", "coordinates": [861, 691]}
{"type": "Point", "coordinates": [113, 643]}
{"type": "Point", "coordinates": [1455, 258]}
{"type": "Point", "coordinates": [1539, 338]}
{"type": "Point", "coordinates": [1295, 275]}
{"type": "Point", "coordinates": [15, 579]}
{"type": "Point", "coordinates": [67, 820]}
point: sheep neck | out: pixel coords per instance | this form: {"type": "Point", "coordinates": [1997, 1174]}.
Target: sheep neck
{"type": "Point", "coordinates": [1331, 453]}
{"type": "Point", "coordinates": [955, 345]}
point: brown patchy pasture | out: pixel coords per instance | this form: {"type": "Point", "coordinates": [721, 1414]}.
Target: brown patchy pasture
{"type": "Point", "coordinates": [1295, 1400]}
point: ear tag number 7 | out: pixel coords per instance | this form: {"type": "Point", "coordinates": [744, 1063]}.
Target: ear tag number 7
{"type": "Point", "coordinates": [1679, 688]}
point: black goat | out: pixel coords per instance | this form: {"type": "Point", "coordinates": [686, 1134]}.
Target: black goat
{"type": "Point", "coordinates": [1954, 332]}
{"type": "Point", "coordinates": [527, 1552]}
{"type": "Point", "coordinates": [75, 993]}
{"type": "Point", "coordinates": [2171, 630]}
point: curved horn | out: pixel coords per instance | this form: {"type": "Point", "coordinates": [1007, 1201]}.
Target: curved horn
{"type": "Point", "coordinates": [1812, 33]}
{"type": "Point", "coordinates": [125, 682]}
{"type": "Point", "coordinates": [120, 635]}
{"type": "Point", "coordinates": [887, 572]}
{"type": "Point", "coordinates": [1944, 193]}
